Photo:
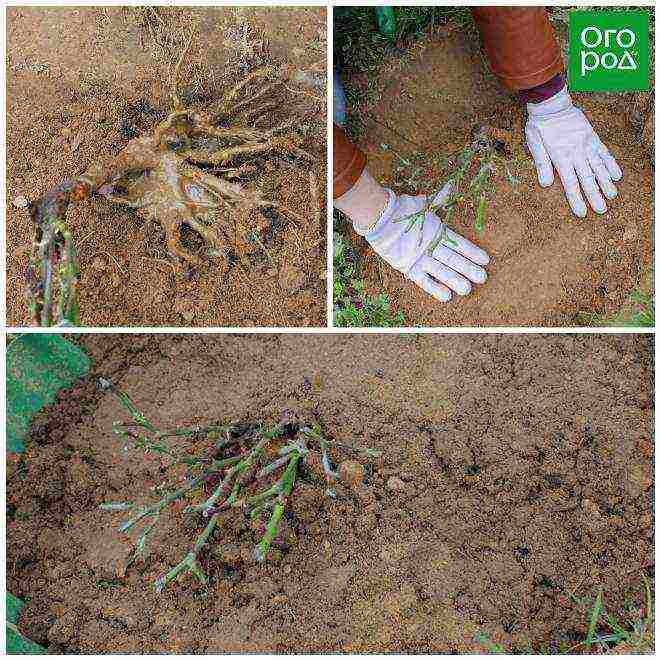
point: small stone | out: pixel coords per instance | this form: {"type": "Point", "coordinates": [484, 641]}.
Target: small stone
{"type": "Point", "coordinates": [99, 263]}
{"type": "Point", "coordinates": [21, 202]}
{"type": "Point", "coordinates": [395, 484]}
{"type": "Point", "coordinates": [228, 554]}
{"type": "Point", "coordinates": [351, 472]}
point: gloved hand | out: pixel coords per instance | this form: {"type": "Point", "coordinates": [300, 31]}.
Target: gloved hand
{"type": "Point", "coordinates": [559, 134]}
{"type": "Point", "coordinates": [401, 238]}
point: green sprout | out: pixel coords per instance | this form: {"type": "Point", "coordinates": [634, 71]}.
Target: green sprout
{"type": "Point", "coordinates": [352, 306]}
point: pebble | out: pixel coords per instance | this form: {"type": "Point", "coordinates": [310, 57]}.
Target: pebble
{"type": "Point", "coordinates": [99, 263]}
{"type": "Point", "coordinates": [351, 472]}
{"type": "Point", "coordinates": [590, 507]}
{"type": "Point", "coordinates": [21, 202]}
{"type": "Point", "coordinates": [395, 484]}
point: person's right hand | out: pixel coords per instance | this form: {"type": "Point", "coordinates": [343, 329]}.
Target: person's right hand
{"type": "Point", "coordinates": [404, 235]}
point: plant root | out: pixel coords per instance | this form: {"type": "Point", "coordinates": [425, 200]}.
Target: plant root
{"type": "Point", "coordinates": [161, 176]}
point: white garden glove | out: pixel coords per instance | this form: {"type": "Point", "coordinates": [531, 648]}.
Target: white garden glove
{"type": "Point", "coordinates": [401, 238]}
{"type": "Point", "coordinates": [559, 134]}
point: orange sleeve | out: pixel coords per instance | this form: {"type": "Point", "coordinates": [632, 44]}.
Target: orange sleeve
{"type": "Point", "coordinates": [520, 45]}
{"type": "Point", "coordinates": [348, 162]}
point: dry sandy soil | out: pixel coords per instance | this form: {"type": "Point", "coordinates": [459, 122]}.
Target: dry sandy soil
{"type": "Point", "coordinates": [81, 82]}
{"type": "Point", "coordinates": [517, 473]}
{"type": "Point", "coordinates": [547, 267]}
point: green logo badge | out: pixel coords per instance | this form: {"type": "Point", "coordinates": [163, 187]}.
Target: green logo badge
{"type": "Point", "coordinates": [608, 51]}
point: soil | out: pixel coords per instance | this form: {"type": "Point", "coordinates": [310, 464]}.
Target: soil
{"type": "Point", "coordinates": [517, 473]}
{"type": "Point", "coordinates": [548, 268]}
{"type": "Point", "coordinates": [81, 82]}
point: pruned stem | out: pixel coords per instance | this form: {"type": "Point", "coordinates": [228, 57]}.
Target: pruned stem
{"type": "Point", "coordinates": [190, 563]}
{"type": "Point", "coordinates": [286, 486]}
{"type": "Point", "coordinates": [159, 506]}
{"type": "Point", "coordinates": [53, 264]}
{"type": "Point", "coordinates": [245, 483]}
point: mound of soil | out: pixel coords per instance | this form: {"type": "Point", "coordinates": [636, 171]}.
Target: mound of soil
{"type": "Point", "coordinates": [548, 268]}
{"type": "Point", "coordinates": [516, 474]}
{"type": "Point", "coordinates": [81, 82]}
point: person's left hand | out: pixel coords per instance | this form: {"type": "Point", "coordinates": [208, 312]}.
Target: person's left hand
{"type": "Point", "coordinates": [558, 134]}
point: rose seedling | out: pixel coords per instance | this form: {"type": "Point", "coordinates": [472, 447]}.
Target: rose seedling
{"type": "Point", "coordinates": [246, 469]}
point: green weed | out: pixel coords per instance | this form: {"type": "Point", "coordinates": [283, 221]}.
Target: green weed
{"type": "Point", "coordinates": [635, 631]}
{"type": "Point", "coordinates": [496, 649]}
{"type": "Point", "coordinates": [359, 44]}
{"type": "Point", "coordinates": [353, 307]}
{"type": "Point", "coordinates": [641, 314]}
{"type": "Point", "coordinates": [634, 634]}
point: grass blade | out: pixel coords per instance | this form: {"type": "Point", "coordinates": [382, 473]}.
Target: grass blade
{"type": "Point", "coordinates": [593, 619]}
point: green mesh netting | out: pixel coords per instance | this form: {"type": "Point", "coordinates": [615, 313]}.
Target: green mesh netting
{"type": "Point", "coordinates": [38, 366]}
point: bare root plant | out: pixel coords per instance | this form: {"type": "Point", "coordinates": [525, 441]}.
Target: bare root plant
{"type": "Point", "coordinates": [246, 469]}
{"type": "Point", "coordinates": [182, 175]}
